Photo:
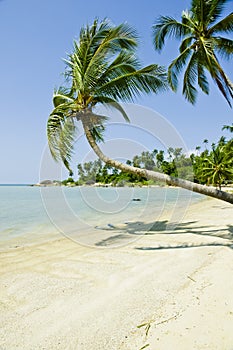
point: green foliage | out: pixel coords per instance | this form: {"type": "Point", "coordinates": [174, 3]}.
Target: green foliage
{"type": "Point", "coordinates": [215, 166]}
{"type": "Point", "coordinates": [69, 181]}
{"type": "Point", "coordinates": [210, 167]}
{"type": "Point", "coordinates": [176, 163]}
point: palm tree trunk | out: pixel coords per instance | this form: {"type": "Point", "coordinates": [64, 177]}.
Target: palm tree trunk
{"type": "Point", "coordinates": [153, 175]}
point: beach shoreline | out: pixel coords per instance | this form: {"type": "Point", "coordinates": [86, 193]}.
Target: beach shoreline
{"type": "Point", "coordinates": [87, 215]}
{"type": "Point", "coordinates": [166, 289]}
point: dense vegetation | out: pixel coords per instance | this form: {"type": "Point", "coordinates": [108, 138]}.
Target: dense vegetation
{"type": "Point", "coordinates": [209, 166]}
{"type": "Point", "coordinates": [172, 164]}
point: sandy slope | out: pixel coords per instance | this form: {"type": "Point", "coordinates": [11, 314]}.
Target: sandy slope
{"type": "Point", "coordinates": [60, 295]}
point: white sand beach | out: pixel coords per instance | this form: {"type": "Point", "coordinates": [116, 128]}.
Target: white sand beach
{"type": "Point", "coordinates": [60, 295]}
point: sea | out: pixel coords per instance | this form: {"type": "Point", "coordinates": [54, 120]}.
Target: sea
{"type": "Point", "coordinates": [87, 215]}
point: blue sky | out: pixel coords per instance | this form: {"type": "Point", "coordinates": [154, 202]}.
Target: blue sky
{"type": "Point", "coordinates": [36, 35]}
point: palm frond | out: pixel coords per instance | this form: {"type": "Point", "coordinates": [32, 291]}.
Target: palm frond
{"type": "Point", "coordinates": [61, 136]}
{"type": "Point", "coordinates": [223, 82]}
{"type": "Point", "coordinates": [67, 138]}
{"type": "Point", "coordinates": [176, 66]}
{"type": "Point", "coordinates": [124, 63]}
{"type": "Point", "coordinates": [89, 41]}
{"type": "Point", "coordinates": [225, 25]}
{"type": "Point", "coordinates": [189, 21]}
{"type": "Point", "coordinates": [97, 133]}
{"type": "Point", "coordinates": [228, 127]}
{"type": "Point", "coordinates": [186, 43]}
{"type": "Point", "coordinates": [128, 86]}
{"type": "Point", "coordinates": [223, 46]}
{"type": "Point", "coordinates": [166, 26]}
{"type": "Point", "coordinates": [215, 10]}
{"type": "Point", "coordinates": [74, 72]}
{"type": "Point", "coordinates": [218, 75]}
{"type": "Point", "coordinates": [121, 37]}
{"type": "Point", "coordinates": [207, 11]}
{"type": "Point", "coordinates": [117, 38]}
{"type": "Point", "coordinates": [60, 99]}
{"type": "Point", "coordinates": [54, 126]}
{"type": "Point", "coordinates": [190, 77]}
{"type": "Point", "coordinates": [202, 79]}
{"type": "Point", "coordinates": [223, 86]}
{"type": "Point", "coordinates": [93, 75]}
{"type": "Point", "coordinates": [92, 53]}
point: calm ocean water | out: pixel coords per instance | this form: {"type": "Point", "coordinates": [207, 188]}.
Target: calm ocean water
{"type": "Point", "coordinates": [29, 214]}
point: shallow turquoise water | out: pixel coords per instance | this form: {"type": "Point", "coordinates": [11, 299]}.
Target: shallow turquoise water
{"type": "Point", "coordinates": [32, 213]}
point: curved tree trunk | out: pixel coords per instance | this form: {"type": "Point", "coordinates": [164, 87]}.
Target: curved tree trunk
{"type": "Point", "coordinates": [153, 175]}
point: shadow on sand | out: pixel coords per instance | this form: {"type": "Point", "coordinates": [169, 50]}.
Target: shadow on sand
{"type": "Point", "coordinates": [221, 236]}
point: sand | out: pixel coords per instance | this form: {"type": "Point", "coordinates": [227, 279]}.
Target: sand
{"type": "Point", "coordinates": [177, 285]}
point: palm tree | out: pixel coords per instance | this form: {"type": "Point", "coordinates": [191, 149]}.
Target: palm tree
{"type": "Point", "coordinates": [103, 69]}
{"type": "Point", "coordinates": [202, 42]}
{"type": "Point", "coordinates": [217, 167]}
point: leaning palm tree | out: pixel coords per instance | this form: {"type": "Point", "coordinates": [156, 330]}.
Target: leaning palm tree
{"type": "Point", "coordinates": [202, 44]}
{"type": "Point", "coordinates": [103, 69]}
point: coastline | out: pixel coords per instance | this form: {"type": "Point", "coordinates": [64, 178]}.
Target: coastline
{"type": "Point", "coordinates": [96, 212]}
{"type": "Point", "coordinates": [176, 284]}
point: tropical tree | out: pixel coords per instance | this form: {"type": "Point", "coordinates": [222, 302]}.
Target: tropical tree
{"type": "Point", "coordinates": [200, 30]}
{"type": "Point", "coordinates": [103, 69]}
{"type": "Point", "coordinates": [216, 167]}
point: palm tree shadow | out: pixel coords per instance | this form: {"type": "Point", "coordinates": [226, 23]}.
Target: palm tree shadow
{"type": "Point", "coordinates": [224, 235]}
{"type": "Point", "coordinates": [162, 227]}
{"type": "Point", "coordinates": [184, 246]}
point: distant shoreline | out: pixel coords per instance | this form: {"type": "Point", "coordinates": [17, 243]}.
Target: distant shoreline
{"type": "Point", "coordinates": [95, 185]}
